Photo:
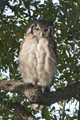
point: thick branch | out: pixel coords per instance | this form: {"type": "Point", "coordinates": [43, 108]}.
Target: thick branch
{"type": "Point", "coordinates": [35, 94]}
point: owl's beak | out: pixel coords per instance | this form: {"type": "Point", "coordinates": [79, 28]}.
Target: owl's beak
{"type": "Point", "coordinates": [41, 33]}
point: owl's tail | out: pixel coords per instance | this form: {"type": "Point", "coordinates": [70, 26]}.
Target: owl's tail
{"type": "Point", "coordinates": [36, 106]}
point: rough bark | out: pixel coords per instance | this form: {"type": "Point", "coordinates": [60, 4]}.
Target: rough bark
{"type": "Point", "coordinates": [35, 94]}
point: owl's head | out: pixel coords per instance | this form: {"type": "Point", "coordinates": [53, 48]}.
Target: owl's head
{"type": "Point", "coordinates": [41, 28]}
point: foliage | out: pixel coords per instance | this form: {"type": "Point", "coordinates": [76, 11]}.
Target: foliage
{"type": "Point", "coordinates": [14, 20]}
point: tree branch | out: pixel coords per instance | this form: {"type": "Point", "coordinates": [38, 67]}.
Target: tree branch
{"type": "Point", "coordinates": [14, 9]}
{"type": "Point", "coordinates": [35, 94]}
{"type": "Point", "coordinates": [3, 3]}
{"type": "Point", "coordinates": [2, 6]}
{"type": "Point", "coordinates": [19, 108]}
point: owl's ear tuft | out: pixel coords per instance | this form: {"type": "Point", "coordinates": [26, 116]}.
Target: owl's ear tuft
{"type": "Point", "coordinates": [33, 23]}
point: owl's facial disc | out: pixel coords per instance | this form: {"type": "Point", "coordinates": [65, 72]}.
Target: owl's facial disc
{"type": "Point", "coordinates": [46, 29]}
{"type": "Point", "coordinates": [36, 28]}
{"type": "Point", "coordinates": [41, 31]}
{"type": "Point", "coordinates": [47, 32]}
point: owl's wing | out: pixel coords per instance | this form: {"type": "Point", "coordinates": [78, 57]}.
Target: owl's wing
{"type": "Point", "coordinates": [22, 44]}
{"type": "Point", "coordinates": [53, 44]}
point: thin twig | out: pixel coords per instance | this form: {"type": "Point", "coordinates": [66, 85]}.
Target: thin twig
{"type": "Point", "coordinates": [79, 109]}
{"type": "Point", "coordinates": [63, 110]}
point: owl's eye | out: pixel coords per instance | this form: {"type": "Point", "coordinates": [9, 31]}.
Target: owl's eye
{"type": "Point", "coordinates": [37, 28]}
{"type": "Point", "coordinates": [46, 29]}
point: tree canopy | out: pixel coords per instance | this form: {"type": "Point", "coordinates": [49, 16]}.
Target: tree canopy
{"type": "Point", "coordinates": [15, 16]}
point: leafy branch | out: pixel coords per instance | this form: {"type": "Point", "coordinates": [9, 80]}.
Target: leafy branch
{"type": "Point", "coordinates": [35, 95]}
{"type": "Point", "coordinates": [20, 109]}
{"type": "Point", "coordinates": [3, 3]}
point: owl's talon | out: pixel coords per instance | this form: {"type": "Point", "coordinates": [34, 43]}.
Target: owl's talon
{"type": "Point", "coordinates": [36, 86]}
{"type": "Point", "coordinates": [29, 84]}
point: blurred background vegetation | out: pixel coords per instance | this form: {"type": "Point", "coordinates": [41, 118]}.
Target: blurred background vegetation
{"type": "Point", "coordinates": [15, 16]}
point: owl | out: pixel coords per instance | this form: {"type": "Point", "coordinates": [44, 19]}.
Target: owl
{"type": "Point", "coordinates": [38, 55]}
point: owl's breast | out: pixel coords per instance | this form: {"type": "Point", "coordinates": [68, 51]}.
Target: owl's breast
{"type": "Point", "coordinates": [46, 64]}
{"type": "Point", "coordinates": [39, 63]}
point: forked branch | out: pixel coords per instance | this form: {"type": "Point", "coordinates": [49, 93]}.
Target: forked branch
{"type": "Point", "coordinates": [35, 94]}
